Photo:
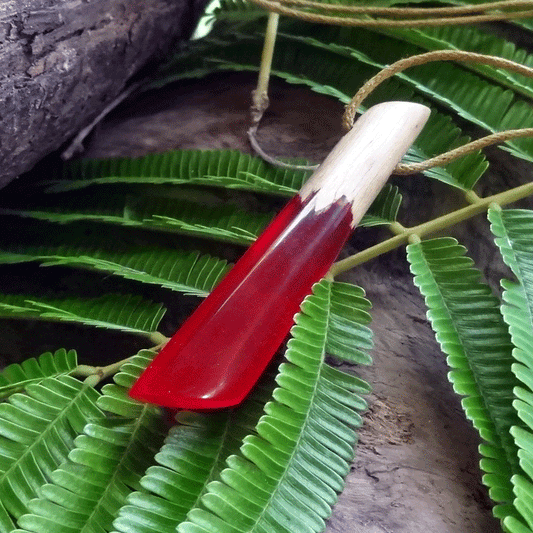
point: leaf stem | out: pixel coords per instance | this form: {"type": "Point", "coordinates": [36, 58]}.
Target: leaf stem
{"type": "Point", "coordinates": [478, 205]}
{"type": "Point", "coordinates": [95, 374]}
{"type": "Point", "coordinates": [158, 338]}
{"type": "Point", "coordinates": [260, 95]}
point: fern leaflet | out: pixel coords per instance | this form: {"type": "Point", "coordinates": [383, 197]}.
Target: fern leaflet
{"type": "Point", "coordinates": [512, 229]}
{"type": "Point", "coordinates": [17, 376]}
{"type": "Point", "coordinates": [37, 431]}
{"type": "Point", "coordinates": [470, 329]}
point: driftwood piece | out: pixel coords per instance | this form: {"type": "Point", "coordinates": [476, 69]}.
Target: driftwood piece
{"type": "Point", "coordinates": [63, 61]}
{"type": "Point", "coordinates": [416, 468]}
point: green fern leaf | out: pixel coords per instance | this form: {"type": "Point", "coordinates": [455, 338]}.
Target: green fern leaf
{"type": "Point", "coordinates": [106, 464]}
{"type": "Point", "coordinates": [200, 440]}
{"type": "Point", "coordinates": [202, 453]}
{"type": "Point", "coordinates": [524, 504]}
{"type": "Point", "coordinates": [224, 221]}
{"type": "Point", "coordinates": [512, 229]}
{"type": "Point", "coordinates": [470, 96]}
{"type": "Point", "coordinates": [17, 376]}
{"type": "Point", "coordinates": [127, 313]}
{"type": "Point", "coordinates": [104, 467]}
{"type": "Point", "coordinates": [294, 447]}
{"type": "Point", "coordinates": [474, 39]}
{"type": "Point", "coordinates": [220, 168]}
{"type": "Point", "coordinates": [37, 431]}
{"type": "Point", "coordinates": [174, 168]}
{"type": "Point", "coordinates": [228, 169]}
{"type": "Point", "coordinates": [193, 455]}
{"type": "Point", "coordinates": [115, 397]}
{"type": "Point", "coordinates": [178, 270]}
{"type": "Point", "coordinates": [470, 329]}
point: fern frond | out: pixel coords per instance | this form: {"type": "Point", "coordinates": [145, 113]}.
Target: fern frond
{"type": "Point", "coordinates": [16, 377]}
{"type": "Point", "coordinates": [524, 504]}
{"type": "Point", "coordinates": [231, 170]}
{"type": "Point", "coordinates": [474, 39]}
{"type": "Point", "coordinates": [115, 397]}
{"type": "Point", "coordinates": [194, 453]}
{"type": "Point", "coordinates": [512, 229]}
{"type": "Point", "coordinates": [216, 168]}
{"type": "Point", "coordinates": [106, 464]}
{"type": "Point", "coordinates": [468, 95]}
{"type": "Point", "coordinates": [178, 270]}
{"type": "Point", "coordinates": [37, 431]}
{"type": "Point", "coordinates": [295, 447]}
{"type": "Point", "coordinates": [190, 452]}
{"type": "Point", "coordinates": [223, 222]}
{"type": "Point", "coordinates": [470, 329]}
{"type": "Point", "coordinates": [201, 456]}
{"type": "Point", "coordinates": [128, 313]}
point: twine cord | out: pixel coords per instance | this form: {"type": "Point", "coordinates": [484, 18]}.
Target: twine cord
{"type": "Point", "coordinates": [392, 17]}
{"type": "Point", "coordinates": [421, 59]}
{"type": "Point", "coordinates": [400, 66]}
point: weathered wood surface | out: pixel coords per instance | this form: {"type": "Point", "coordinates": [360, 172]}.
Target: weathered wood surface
{"type": "Point", "coordinates": [416, 466]}
{"type": "Point", "coordinates": [63, 61]}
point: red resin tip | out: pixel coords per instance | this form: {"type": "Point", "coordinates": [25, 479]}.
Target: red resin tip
{"type": "Point", "coordinates": [219, 353]}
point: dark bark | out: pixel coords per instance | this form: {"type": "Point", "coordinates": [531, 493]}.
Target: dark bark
{"type": "Point", "coordinates": [63, 61]}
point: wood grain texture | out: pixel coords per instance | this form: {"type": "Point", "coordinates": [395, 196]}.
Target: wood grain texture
{"type": "Point", "coordinates": [363, 160]}
{"type": "Point", "coordinates": [63, 61]}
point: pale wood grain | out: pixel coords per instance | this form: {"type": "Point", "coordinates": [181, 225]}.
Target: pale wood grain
{"type": "Point", "coordinates": [363, 160]}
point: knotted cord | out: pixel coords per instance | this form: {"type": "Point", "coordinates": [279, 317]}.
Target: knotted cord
{"type": "Point", "coordinates": [421, 59]}
{"type": "Point", "coordinates": [400, 66]}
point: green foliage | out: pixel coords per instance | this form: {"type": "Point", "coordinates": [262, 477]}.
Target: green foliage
{"type": "Point", "coordinates": [223, 168]}
{"type": "Point", "coordinates": [302, 437]}
{"type": "Point", "coordinates": [18, 376]}
{"type": "Point", "coordinates": [188, 272]}
{"type": "Point", "coordinates": [112, 311]}
{"type": "Point", "coordinates": [37, 432]}
{"type": "Point", "coordinates": [315, 404]}
{"type": "Point", "coordinates": [106, 463]}
{"type": "Point", "coordinates": [512, 229]}
{"type": "Point", "coordinates": [470, 329]}
{"type": "Point", "coordinates": [75, 456]}
{"type": "Point", "coordinates": [154, 211]}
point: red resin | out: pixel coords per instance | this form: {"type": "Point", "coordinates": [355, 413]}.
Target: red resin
{"type": "Point", "coordinates": [221, 350]}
